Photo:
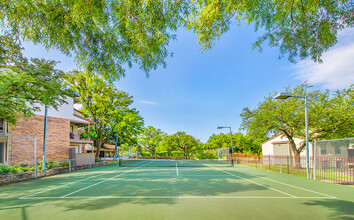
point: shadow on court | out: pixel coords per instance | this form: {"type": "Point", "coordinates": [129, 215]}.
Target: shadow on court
{"type": "Point", "coordinates": [341, 209]}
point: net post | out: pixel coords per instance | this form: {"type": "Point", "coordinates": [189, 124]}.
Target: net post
{"type": "Point", "coordinates": [120, 162]}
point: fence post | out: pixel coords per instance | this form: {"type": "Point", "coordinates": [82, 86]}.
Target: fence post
{"type": "Point", "coordinates": [104, 161]}
{"type": "Point", "coordinates": [269, 162]}
{"type": "Point", "coordinates": [69, 165]}
{"type": "Point", "coordinates": [90, 163]}
{"type": "Point", "coordinates": [260, 161]}
{"type": "Point", "coordinates": [314, 161]}
{"type": "Point", "coordinates": [281, 167]}
{"type": "Point", "coordinates": [287, 163]}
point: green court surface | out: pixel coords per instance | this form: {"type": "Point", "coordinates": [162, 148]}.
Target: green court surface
{"type": "Point", "coordinates": [201, 192]}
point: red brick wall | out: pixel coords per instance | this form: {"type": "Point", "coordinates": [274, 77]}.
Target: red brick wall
{"type": "Point", "coordinates": [58, 139]}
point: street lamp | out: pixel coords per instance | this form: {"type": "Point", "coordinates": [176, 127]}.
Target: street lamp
{"type": "Point", "coordinates": [232, 145]}
{"type": "Point", "coordinates": [285, 96]}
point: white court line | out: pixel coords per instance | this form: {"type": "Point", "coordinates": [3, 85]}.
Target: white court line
{"type": "Point", "coordinates": [288, 185]}
{"type": "Point", "coordinates": [69, 183]}
{"type": "Point", "coordinates": [176, 197]}
{"type": "Point", "coordinates": [169, 175]}
{"type": "Point", "coordinates": [254, 182]}
{"type": "Point", "coordinates": [176, 169]}
{"type": "Point", "coordinates": [102, 181]}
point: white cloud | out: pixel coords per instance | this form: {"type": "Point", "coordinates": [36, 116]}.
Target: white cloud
{"type": "Point", "coordinates": [337, 69]}
{"type": "Point", "coordinates": [148, 102]}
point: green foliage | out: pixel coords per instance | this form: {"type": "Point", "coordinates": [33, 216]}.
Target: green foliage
{"type": "Point", "coordinates": [146, 154]}
{"type": "Point", "coordinates": [107, 106]}
{"type": "Point", "coordinates": [48, 165]}
{"type": "Point", "coordinates": [103, 35]}
{"type": "Point", "coordinates": [180, 141]}
{"type": "Point", "coordinates": [162, 153]}
{"type": "Point", "coordinates": [64, 163]}
{"type": "Point", "coordinates": [4, 169]}
{"type": "Point", "coordinates": [299, 28]}
{"type": "Point", "coordinates": [207, 154]}
{"type": "Point", "coordinates": [329, 116]}
{"type": "Point", "coordinates": [26, 83]}
{"type": "Point", "coordinates": [241, 143]}
{"type": "Point", "coordinates": [151, 136]}
{"type": "Point", "coordinates": [177, 153]}
{"type": "Point", "coordinates": [97, 160]}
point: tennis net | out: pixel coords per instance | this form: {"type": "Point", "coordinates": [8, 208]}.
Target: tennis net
{"type": "Point", "coordinates": [174, 163]}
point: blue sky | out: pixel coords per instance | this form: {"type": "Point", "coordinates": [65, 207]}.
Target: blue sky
{"type": "Point", "coordinates": [199, 91]}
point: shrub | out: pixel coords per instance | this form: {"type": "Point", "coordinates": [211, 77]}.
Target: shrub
{"type": "Point", "coordinates": [51, 165]}
{"type": "Point", "coordinates": [162, 153]}
{"type": "Point", "coordinates": [177, 153]}
{"type": "Point", "coordinates": [146, 154]}
{"type": "Point", "coordinates": [4, 170]}
{"type": "Point", "coordinates": [64, 163]}
{"type": "Point", "coordinates": [14, 169]}
{"type": "Point", "coordinates": [98, 160]}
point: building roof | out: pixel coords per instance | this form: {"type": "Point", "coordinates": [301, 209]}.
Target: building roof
{"type": "Point", "coordinates": [78, 110]}
{"type": "Point", "coordinates": [111, 147]}
{"type": "Point", "coordinates": [280, 142]}
{"type": "Point", "coordinates": [84, 118]}
{"type": "Point", "coordinates": [76, 100]}
{"type": "Point", "coordinates": [277, 135]}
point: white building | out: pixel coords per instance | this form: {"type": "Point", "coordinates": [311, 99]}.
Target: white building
{"type": "Point", "coordinates": [279, 145]}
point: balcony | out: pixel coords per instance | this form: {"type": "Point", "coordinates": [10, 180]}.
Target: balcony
{"type": "Point", "coordinates": [75, 138]}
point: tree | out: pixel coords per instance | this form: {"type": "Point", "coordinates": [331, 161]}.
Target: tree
{"type": "Point", "coordinates": [127, 125]}
{"type": "Point", "coordinates": [300, 28]}
{"type": "Point", "coordinates": [102, 103]}
{"type": "Point", "coordinates": [241, 143]}
{"type": "Point", "coordinates": [286, 117]}
{"type": "Point", "coordinates": [218, 141]}
{"type": "Point", "coordinates": [102, 35]}
{"type": "Point", "coordinates": [182, 141]}
{"type": "Point", "coordinates": [25, 84]}
{"type": "Point", "coordinates": [151, 137]}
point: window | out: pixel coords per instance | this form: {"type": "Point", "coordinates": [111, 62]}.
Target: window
{"type": "Point", "coordinates": [3, 152]}
{"type": "Point", "coordinates": [2, 125]}
{"type": "Point", "coordinates": [323, 149]}
{"type": "Point", "coordinates": [337, 150]}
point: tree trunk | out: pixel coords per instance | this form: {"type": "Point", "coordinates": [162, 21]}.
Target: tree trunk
{"type": "Point", "coordinates": [98, 148]}
{"type": "Point", "coordinates": [297, 159]}
{"type": "Point", "coordinates": [296, 153]}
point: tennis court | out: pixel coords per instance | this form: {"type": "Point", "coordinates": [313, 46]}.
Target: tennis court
{"type": "Point", "coordinates": [147, 189]}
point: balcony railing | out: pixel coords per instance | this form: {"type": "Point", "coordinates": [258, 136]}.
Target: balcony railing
{"type": "Point", "coordinates": [74, 136]}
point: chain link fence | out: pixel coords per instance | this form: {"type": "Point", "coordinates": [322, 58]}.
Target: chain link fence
{"type": "Point", "coordinates": [334, 161]}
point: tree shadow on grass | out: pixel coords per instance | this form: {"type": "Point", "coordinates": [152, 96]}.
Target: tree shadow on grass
{"type": "Point", "coordinates": [341, 209]}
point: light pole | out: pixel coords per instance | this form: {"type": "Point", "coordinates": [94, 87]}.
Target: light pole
{"type": "Point", "coordinates": [116, 148]}
{"type": "Point", "coordinates": [285, 96]}
{"type": "Point", "coordinates": [232, 145]}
